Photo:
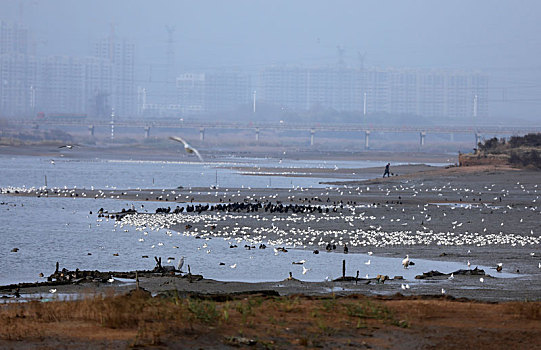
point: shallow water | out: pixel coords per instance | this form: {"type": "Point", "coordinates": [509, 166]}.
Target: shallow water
{"type": "Point", "coordinates": [47, 230]}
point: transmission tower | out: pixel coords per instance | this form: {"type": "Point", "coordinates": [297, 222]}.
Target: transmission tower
{"type": "Point", "coordinates": [361, 57]}
{"type": "Point", "coordinates": [170, 66]}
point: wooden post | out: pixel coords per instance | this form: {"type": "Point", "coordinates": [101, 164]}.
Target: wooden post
{"type": "Point", "coordinates": [343, 268]}
{"type": "Point", "coordinates": [357, 277]}
{"type": "Point", "coordinates": [158, 263]}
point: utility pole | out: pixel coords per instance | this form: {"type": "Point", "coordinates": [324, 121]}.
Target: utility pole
{"type": "Point", "coordinates": [254, 100]}
{"type": "Point", "coordinates": [475, 106]}
{"type": "Point", "coordinates": [364, 104]}
{"type": "Point", "coordinates": [112, 125]}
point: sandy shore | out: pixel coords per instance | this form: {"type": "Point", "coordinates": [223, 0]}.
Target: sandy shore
{"type": "Point", "coordinates": [497, 207]}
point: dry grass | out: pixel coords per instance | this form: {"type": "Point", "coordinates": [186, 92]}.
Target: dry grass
{"type": "Point", "coordinates": [273, 322]}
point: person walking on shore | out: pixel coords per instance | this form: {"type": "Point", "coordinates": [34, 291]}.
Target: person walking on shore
{"type": "Point", "coordinates": [387, 171]}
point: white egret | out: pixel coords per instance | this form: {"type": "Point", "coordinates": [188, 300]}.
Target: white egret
{"type": "Point", "coordinates": [180, 263]}
{"type": "Point", "coordinates": [406, 261]}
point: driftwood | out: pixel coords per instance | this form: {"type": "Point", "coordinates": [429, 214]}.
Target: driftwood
{"type": "Point", "coordinates": [430, 274]}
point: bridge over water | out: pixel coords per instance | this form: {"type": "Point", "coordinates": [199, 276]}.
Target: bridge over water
{"type": "Point", "coordinates": [146, 125]}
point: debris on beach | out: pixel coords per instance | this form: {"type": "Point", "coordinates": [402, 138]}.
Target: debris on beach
{"type": "Point", "coordinates": [431, 274]}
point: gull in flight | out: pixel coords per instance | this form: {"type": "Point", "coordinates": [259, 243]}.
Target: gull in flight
{"type": "Point", "coordinates": [187, 147]}
{"type": "Point", "coordinates": [68, 146]}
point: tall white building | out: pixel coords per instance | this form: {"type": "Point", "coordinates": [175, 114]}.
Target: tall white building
{"type": "Point", "coordinates": [17, 70]}
{"type": "Point", "coordinates": [121, 54]}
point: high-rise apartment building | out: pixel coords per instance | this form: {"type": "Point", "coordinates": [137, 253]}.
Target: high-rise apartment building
{"type": "Point", "coordinates": [213, 92]}
{"type": "Point", "coordinates": [17, 70]}
{"type": "Point", "coordinates": [121, 55]}
{"type": "Point", "coordinates": [396, 91]}
{"type": "Point", "coordinates": [64, 84]}
{"type": "Point", "coordinates": [13, 38]}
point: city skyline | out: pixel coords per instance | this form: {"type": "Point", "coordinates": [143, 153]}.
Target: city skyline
{"type": "Point", "coordinates": [204, 38]}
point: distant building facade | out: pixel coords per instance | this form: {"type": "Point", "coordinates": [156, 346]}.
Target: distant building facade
{"type": "Point", "coordinates": [17, 70]}
{"type": "Point", "coordinates": [429, 93]}
{"type": "Point", "coordinates": [13, 38]}
{"type": "Point", "coordinates": [121, 55]}
{"type": "Point", "coordinates": [31, 84]}
{"type": "Point", "coordinates": [213, 92]}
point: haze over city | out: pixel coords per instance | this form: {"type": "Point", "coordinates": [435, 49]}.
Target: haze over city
{"type": "Point", "coordinates": [498, 40]}
{"type": "Point", "coordinates": [270, 174]}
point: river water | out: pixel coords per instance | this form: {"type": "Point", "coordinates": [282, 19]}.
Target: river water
{"type": "Point", "coordinates": [47, 230]}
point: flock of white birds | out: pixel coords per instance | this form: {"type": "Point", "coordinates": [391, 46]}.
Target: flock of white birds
{"type": "Point", "coordinates": [470, 218]}
{"type": "Point", "coordinates": [360, 225]}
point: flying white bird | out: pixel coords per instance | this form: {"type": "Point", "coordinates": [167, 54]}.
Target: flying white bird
{"type": "Point", "coordinates": [68, 146]}
{"type": "Point", "coordinates": [304, 270]}
{"type": "Point", "coordinates": [187, 147]}
{"type": "Point", "coordinates": [52, 291]}
{"type": "Point", "coordinates": [367, 263]}
{"type": "Point", "coordinates": [233, 266]}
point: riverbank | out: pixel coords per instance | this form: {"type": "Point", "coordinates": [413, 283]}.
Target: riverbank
{"type": "Point", "coordinates": [264, 321]}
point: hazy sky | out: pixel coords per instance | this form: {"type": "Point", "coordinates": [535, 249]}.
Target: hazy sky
{"type": "Point", "coordinates": [498, 37]}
